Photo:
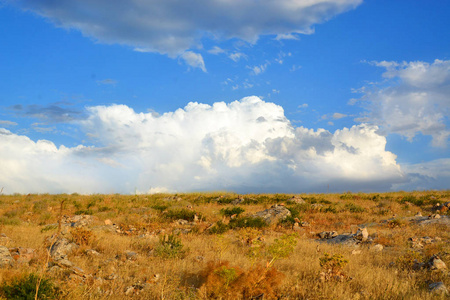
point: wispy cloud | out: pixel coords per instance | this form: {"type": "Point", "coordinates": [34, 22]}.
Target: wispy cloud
{"type": "Point", "coordinates": [107, 81]}
{"type": "Point", "coordinates": [7, 123]}
{"type": "Point", "coordinates": [52, 113]}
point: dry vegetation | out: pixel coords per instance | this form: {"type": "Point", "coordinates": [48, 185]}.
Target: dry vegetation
{"type": "Point", "coordinates": [201, 246]}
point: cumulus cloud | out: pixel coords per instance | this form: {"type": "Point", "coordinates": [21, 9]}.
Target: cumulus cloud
{"type": "Point", "coordinates": [413, 99]}
{"type": "Point", "coordinates": [172, 27]}
{"type": "Point", "coordinates": [245, 146]}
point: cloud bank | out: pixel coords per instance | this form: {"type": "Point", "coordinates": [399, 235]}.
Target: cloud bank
{"type": "Point", "coordinates": [413, 99]}
{"type": "Point", "coordinates": [172, 27]}
{"type": "Point", "coordinates": [244, 146]}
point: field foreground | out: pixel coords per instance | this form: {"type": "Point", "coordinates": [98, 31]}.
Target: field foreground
{"type": "Point", "coordinates": [226, 246]}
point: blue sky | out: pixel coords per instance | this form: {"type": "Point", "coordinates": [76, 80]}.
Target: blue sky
{"type": "Point", "coordinates": [285, 96]}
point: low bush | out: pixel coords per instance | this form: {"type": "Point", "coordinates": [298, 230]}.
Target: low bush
{"type": "Point", "coordinates": [219, 228]}
{"type": "Point", "coordinates": [24, 288]}
{"type": "Point", "coordinates": [170, 246]}
{"type": "Point", "coordinates": [228, 212]}
{"type": "Point", "coordinates": [181, 213]}
{"type": "Point", "coordinates": [247, 222]}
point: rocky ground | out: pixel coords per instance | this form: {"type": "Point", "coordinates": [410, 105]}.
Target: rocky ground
{"type": "Point", "coordinates": [226, 246]}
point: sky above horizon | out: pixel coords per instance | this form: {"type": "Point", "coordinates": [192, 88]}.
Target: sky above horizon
{"type": "Point", "coordinates": [249, 96]}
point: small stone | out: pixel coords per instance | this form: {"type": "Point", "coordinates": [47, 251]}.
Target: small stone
{"type": "Point", "coordinates": [356, 252]}
{"type": "Point", "coordinates": [129, 290]}
{"type": "Point", "coordinates": [419, 214]}
{"type": "Point", "coordinates": [438, 288]}
{"type": "Point", "coordinates": [131, 255]}
{"type": "Point", "coordinates": [92, 252]}
{"type": "Point", "coordinates": [435, 263]}
{"type": "Point", "coordinates": [362, 234]}
{"type": "Point", "coordinates": [328, 234]}
{"type": "Point", "coordinates": [6, 260]}
{"type": "Point", "coordinates": [108, 222]}
{"type": "Point", "coordinates": [377, 248]}
{"type": "Point", "coordinates": [305, 224]}
{"type": "Point", "coordinates": [64, 263]}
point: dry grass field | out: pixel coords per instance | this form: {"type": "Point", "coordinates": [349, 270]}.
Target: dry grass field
{"type": "Point", "coordinates": [213, 246]}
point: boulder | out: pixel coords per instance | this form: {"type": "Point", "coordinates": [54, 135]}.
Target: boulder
{"type": "Point", "coordinates": [61, 248]}
{"type": "Point", "coordinates": [376, 248]}
{"type": "Point", "coordinates": [273, 214]}
{"type": "Point", "coordinates": [6, 260]}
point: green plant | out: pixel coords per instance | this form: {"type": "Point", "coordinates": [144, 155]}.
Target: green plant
{"type": "Point", "coordinates": [182, 213]}
{"type": "Point", "coordinates": [219, 228]}
{"type": "Point", "coordinates": [282, 247]}
{"type": "Point", "coordinates": [333, 266]}
{"type": "Point", "coordinates": [170, 246]}
{"type": "Point", "coordinates": [24, 288]}
{"type": "Point", "coordinates": [407, 260]}
{"type": "Point", "coordinates": [245, 222]}
{"type": "Point", "coordinates": [228, 212]}
{"type": "Point", "coordinates": [353, 208]}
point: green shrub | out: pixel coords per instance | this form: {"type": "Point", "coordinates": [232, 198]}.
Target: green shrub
{"type": "Point", "coordinates": [219, 228]}
{"type": "Point", "coordinates": [170, 246]}
{"type": "Point", "coordinates": [84, 212]}
{"type": "Point", "coordinates": [228, 212]}
{"type": "Point", "coordinates": [248, 222]}
{"type": "Point", "coordinates": [181, 213]}
{"type": "Point", "coordinates": [25, 288]}
{"type": "Point", "coordinates": [353, 208]}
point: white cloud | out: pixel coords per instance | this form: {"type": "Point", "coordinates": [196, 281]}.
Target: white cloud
{"type": "Point", "coordinates": [7, 123]}
{"type": "Point", "coordinates": [172, 27]}
{"type": "Point", "coordinates": [244, 146]}
{"type": "Point", "coordinates": [337, 116]}
{"type": "Point", "coordinates": [194, 60]}
{"type": "Point", "coordinates": [236, 56]}
{"type": "Point", "coordinates": [256, 70]}
{"type": "Point", "coordinates": [216, 50]}
{"type": "Point", "coordinates": [415, 98]}
{"type": "Point", "coordinates": [288, 36]}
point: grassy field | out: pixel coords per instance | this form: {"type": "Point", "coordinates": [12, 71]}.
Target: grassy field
{"type": "Point", "coordinates": [210, 246]}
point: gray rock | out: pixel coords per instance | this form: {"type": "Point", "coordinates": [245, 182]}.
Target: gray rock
{"type": "Point", "coordinates": [435, 263]}
{"type": "Point", "coordinates": [61, 248]}
{"type": "Point", "coordinates": [344, 239]}
{"type": "Point", "coordinates": [296, 200]}
{"type": "Point", "coordinates": [362, 234]}
{"type": "Point", "coordinates": [131, 255]}
{"type": "Point", "coordinates": [328, 234]}
{"type": "Point", "coordinates": [438, 288]}
{"type": "Point", "coordinates": [64, 263]}
{"type": "Point", "coordinates": [6, 260]}
{"type": "Point", "coordinates": [273, 214]}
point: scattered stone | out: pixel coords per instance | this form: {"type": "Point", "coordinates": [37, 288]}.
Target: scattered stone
{"type": "Point", "coordinates": [78, 220]}
{"type": "Point", "coordinates": [362, 234]}
{"type": "Point", "coordinates": [63, 263]}
{"type": "Point", "coordinates": [419, 214]}
{"type": "Point", "coordinates": [108, 222]}
{"type": "Point", "coordinates": [131, 255]}
{"type": "Point", "coordinates": [182, 222]}
{"type": "Point", "coordinates": [92, 252]}
{"type": "Point", "coordinates": [238, 201]}
{"type": "Point", "coordinates": [434, 216]}
{"type": "Point", "coordinates": [273, 214]}
{"type": "Point", "coordinates": [328, 234]}
{"type": "Point", "coordinates": [435, 263]}
{"type": "Point", "coordinates": [317, 206]}
{"type": "Point", "coordinates": [438, 288]}
{"type": "Point", "coordinates": [23, 255]}
{"type": "Point", "coordinates": [61, 248]}
{"type": "Point", "coordinates": [356, 252]}
{"type": "Point", "coordinates": [344, 239]}
{"type": "Point", "coordinates": [377, 248]}
{"type": "Point", "coordinates": [4, 240]}
{"type": "Point", "coordinates": [305, 224]}
{"type": "Point", "coordinates": [296, 200]}
{"type": "Point", "coordinates": [6, 260]}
